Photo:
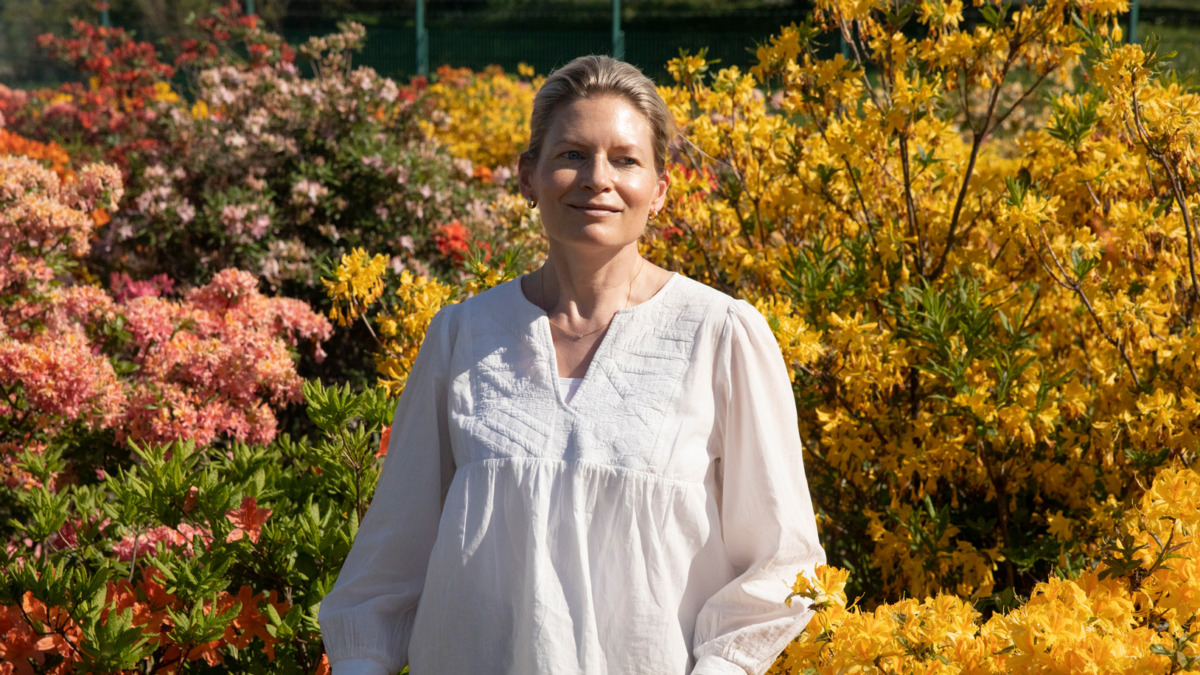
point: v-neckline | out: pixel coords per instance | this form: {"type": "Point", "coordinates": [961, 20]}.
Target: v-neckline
{"type": "Point", "coordinates": [546, 337]}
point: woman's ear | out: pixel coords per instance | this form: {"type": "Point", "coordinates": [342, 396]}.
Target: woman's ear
{"type": "Point", "coordinates": [660, 194]}
{"type": "Point", "coordinates": [525, 169]}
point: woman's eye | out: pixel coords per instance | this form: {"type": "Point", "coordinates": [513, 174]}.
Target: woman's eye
{"type": "Point", "coordinates": [628, 161]}
{"type": "Point", "coordinates": [573, 154]}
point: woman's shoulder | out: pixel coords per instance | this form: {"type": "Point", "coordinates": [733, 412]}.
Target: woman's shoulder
{"type": "Point", "coordinates": [716, 302]}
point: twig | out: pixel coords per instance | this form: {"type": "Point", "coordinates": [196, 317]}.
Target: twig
{"type": "Point", "coordinates": [910, 207]}
{"type": "Point", "coordinates": [1176, 190]}
{"type": "Point", "coordinates": [1074, 285]}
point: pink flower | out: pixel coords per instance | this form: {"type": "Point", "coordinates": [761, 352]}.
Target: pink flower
{"type": "Point", "coordinates": [146, 543]}
{"type": "Point", "coordinates": [124, 288]}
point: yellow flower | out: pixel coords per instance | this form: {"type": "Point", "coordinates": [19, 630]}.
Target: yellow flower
{"type": "Point", "coordinates": [163, 92]}
{"type": "Point", "coordinates": [357, 283]}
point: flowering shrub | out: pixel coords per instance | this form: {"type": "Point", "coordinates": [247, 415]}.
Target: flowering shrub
{"type": "Point", "coordinates": [398, 320]}
{"type": "Point", "coordinates": [1131, 614]}
{"type": "Point", "coordinates": [13, 144]}
{"type": "Point", "coordinates": [82, 371]}
{"type": "Point", "coordinates": [144, 366]}
{"type": "Point", "coordinates": [985, 301]}
{"type": "Point", "coordinates": [483, 117]}
{"type": "Point", "coordinates": [190, 555]}
{"type": "Point", "coordinates": [258, 167]}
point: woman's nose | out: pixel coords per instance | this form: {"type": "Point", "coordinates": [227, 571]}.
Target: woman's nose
{"type": "Point", "coordinates": [598, 175]}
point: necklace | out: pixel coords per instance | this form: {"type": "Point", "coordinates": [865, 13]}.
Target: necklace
{"type": "Point", "coordinates": [580, 336]}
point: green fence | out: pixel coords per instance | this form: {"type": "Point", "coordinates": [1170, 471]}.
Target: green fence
{"type": "Point", "coordinates": [545, 39]}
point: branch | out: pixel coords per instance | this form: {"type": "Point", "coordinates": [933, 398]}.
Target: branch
{"type": "Point", "coordinates": [1176, 190]}
{"type": "Point", "coordinates": [910, 207]}
{"type": "Point", "coordinates": [1075, 286]}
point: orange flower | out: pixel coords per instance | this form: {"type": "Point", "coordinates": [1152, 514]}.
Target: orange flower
{"type": "Point", "coordinates": [249, 519]}
{"type": "Point", "coordinates": [384, 439]}
{"type": "Point", "coordinates": [100, 217]}
{"type": "Point", "coordinates": [12, 144]}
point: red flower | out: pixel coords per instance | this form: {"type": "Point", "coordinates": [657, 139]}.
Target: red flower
{"type": "Point", "coordinates": [451, 240]}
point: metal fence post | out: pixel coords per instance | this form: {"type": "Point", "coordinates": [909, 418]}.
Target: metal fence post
{"type": "Point", "coordinates": [249, 7]}
{"type": "Point", "coordinates": [422, 41]}
{"type": "Point", "coordinates": [104, 20]}
{"type": "Point", "coordinates": [1133, 21]}
{"type": "Point", "coordinates": [618, 37]}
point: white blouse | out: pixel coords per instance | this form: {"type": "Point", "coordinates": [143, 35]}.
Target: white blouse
{"type": "Point", "coordinates": [652, 524]}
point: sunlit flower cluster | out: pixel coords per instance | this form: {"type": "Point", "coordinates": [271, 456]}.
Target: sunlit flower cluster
{"type": "Point", "coordinates": [357, 282]}
{"type": "Point", "coordinates": [215, 363]}
{"type": "Point", "coordinates": [482, 116]}
{"type": "Point", "coordinates": [211, 364]}
{"type": "Point", "coordinates": [403, 324]}
{"type": "Point", "coordinates": [1127, 615]}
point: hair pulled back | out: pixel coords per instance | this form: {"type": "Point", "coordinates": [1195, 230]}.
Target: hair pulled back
{"type": "Point", "coordinates": [593, 76]}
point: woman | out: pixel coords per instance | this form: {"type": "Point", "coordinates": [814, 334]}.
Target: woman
{"type": "Point", "coordinates": [594, 468]}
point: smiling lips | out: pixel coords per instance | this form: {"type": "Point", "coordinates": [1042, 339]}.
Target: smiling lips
{"type": "Point", "coordinates": [595, 209]}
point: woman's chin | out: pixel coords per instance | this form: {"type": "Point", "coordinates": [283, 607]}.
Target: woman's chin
{"type": "Point", "coordinates": [592, 239]}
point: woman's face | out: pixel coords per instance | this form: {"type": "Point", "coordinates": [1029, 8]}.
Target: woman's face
{"type": "Point", "coordinates": [595, 180]}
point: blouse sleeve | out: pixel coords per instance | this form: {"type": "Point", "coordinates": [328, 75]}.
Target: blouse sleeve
{"type": "Point", "coordinates": [366, 619]}
{"type": "Point", "coordinates": [767, 522]}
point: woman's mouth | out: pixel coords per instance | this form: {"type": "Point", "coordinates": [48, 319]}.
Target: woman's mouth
{"type": "Point", "coordinates": [597, 211]}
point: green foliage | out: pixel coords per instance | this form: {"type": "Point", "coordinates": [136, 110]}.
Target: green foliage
{"type": "Point", "coordinates": [178, 503]}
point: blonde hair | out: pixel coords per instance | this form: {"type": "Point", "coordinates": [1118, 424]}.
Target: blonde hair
{"type": "Point", "coordinates": [597, 75]}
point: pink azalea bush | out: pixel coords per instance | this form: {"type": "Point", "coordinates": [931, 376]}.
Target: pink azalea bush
{"type": "Point", "coordinates": [49, 372]}
{"type": "Point", "coordinates": [213, 364]}
{"type": "Point", "coordinates": [125, 415]}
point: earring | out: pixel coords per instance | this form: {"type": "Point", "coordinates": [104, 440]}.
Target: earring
{"type": "Point", "coordinates": [531, 203]}
{"type": "Point", "coordinates": [653, 217]}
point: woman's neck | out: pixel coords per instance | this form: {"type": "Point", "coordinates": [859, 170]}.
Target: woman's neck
{"type": "Point", "coordinates": [581, 288]}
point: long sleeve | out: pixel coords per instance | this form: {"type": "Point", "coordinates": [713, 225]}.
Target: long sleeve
{"type": "Point", "coordinates": [367, 618]}
{"type": "Point", "coordinates": [767, 522]}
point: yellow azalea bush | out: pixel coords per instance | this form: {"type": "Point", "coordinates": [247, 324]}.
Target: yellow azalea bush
{"type": "Point", "coordinates": [975, 245]}
{"type": "Point", "coordinates": [357, 282]}
{"type": "Point", "coordinates": [1133, 613]}
{"type": "Point", "coordinates": [482, 116]}
{"type": "Point", "coordinates": [402, 327]}
{"type": "Point", "coordinates": [974, 234]}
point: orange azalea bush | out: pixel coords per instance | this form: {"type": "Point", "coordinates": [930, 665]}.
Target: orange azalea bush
{"type": "Point", "coordinates": [14, 144]}
{"type": "Point", "coordinates": [145, 615]}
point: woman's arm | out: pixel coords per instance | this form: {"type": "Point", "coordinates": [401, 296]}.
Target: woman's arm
{"type": "Point", "coordinates": [366, 620]}
{"type": "Point", "coordinates": [767, 522]}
